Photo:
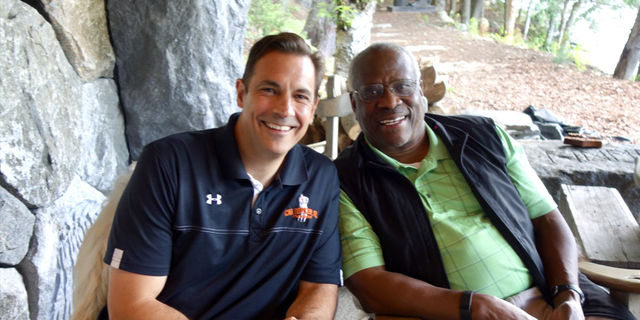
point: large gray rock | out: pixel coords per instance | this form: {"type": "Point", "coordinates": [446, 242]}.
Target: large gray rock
{"type": "Point", "coordinates": [517, 124]}
{"type": "Point", "coordinates": [13, 296]}
{"type": "Point", "coordinates": [15, 230]}
{"type": "Point", "coordinates": [58, 233]}
{"type": "Point", "coordinates": [177, 62]}
{"type": "Point", "coordinates": [610, 166]}
{"type": "Point", "coordinates": [104, 148]}
{"type": "Point", "coordinates": [39, 108]}
{"type": "Point", "coordinates": [81, 28]}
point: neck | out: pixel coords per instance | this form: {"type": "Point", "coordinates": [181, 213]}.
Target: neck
{"type": "Point", "coordinates": [261, 166]}
{"type": "Point", "coordinates": [409, 154]}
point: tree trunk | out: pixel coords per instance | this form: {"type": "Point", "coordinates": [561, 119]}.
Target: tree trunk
{"type": "Point", "coordinates": [478, 10]}
{"type": "Point", "coordinates": [630, 54]}
{"type": "Point", "coordinates": [452, 9]}
{"type": "Point", "coordinates": [510, 17]}
{"type": "Point", "coordinates": [572, 18]}
{"type": "Point", "coordinates": [440, 5]}
{"type": "Point", "coordinates": [466, 11]}
{"type": "Point", "coordinates": [552, 29]}
{"type": "Point", "coordinates": [527, 22]}
{"type": "Point", "coordinates": [355, 39]}
{"type": "Point", "coordinates": [321, 30]}
{"type": "Point", "coordinates": [563, 20]}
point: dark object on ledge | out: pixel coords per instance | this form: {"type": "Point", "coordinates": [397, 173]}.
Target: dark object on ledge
{"type": "Point", "coordinates": [416, 6]}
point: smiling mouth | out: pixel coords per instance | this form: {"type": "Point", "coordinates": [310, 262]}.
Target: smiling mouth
{"type": "Point", "coordinates": [392, 121]}
{"type": "Point", "coordinates": [277, 127]}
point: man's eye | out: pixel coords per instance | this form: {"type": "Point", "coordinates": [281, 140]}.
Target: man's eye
{"type": "Point", "coordinates": [268, 90]}
{"type": "Point", "coordinates": [302, 97]}
{"type": "Point", "coordinates": [371, 92]}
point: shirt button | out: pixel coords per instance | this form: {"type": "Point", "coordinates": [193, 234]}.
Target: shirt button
{"type": "Point", "coordinates": [258, 211]}
{"type": "Point", "coordinates": [428, 196]}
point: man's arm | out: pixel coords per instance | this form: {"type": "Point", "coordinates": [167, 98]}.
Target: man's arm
{"type": "Point", "coordinates": [559, 255]}
{"type": "Point", "coordinates": [133, 296]}
{"type": "Point", "coordinates": [394, 294]}
{"type": "Point", "coordinates": [314, 301]}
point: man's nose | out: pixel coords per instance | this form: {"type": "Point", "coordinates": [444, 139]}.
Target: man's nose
{"type": "Point", "coordinates": [285, 106]}
{"type": "Point", "coordinates": [389, 99]}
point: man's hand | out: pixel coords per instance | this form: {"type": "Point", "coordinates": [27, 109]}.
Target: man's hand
{"type": "Point", "coordinates": [568, 307]}
{"type": "Point", "coordinates": [487, 307]}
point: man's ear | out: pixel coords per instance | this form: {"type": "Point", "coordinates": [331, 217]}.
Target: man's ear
{"type": "Point", "coordinates": [353, 101]}
{"type": "Point", "coordinates": [313, 109]}
{"type": "Point", "coordinates": [240, 89]}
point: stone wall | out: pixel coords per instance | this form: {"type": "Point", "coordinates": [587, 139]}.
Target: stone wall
{"type": "Point", "coordinates": [64, 96]}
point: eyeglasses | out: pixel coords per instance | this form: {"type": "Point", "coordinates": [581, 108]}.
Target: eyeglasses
{"type": "Point", "coordinates": [401, 88]}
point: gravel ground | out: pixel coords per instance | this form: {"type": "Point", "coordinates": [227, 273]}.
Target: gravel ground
{"type": "Point", "coordinates": [482, 74]}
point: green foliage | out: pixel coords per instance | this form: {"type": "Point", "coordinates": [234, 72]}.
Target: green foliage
{"type": "Point", "coordinates": [425, 18]}
{"type": "Point", "coordinates": [562, 55]}
{"type": "Point", "coordinates": [575, 54]}
{"type": "Point", "coordinates": [271, 16]}
{"type": "Point", "coordinates": [342, 12]}
{"type": "Point", "coordinates": [473, 26]}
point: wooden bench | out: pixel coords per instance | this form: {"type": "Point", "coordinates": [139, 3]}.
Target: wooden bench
{"type": "Point", "coordinates": [609, 238]}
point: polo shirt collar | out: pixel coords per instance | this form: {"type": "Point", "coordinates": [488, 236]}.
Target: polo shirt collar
{"type": "Point", "coordinates": [293, 170]}
{"type": "Point", "coordinates": [437, 150]}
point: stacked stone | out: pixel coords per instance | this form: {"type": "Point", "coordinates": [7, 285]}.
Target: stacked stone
{"type": "Point", "coordinates": [62, 122]}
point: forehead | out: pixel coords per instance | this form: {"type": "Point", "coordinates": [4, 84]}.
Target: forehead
{"type": "Point", "coordinates": [383, 66]}
{"type": "Point", "coordinates": [284, 69]}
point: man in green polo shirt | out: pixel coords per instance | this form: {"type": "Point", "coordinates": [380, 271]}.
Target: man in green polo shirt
{"type": "Point", "coordinates": [444, 218]}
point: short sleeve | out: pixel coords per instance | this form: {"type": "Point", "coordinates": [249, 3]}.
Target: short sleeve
{"type": "Point", "coordinates": [532, 191]}
{"type": "Point", "coordinates": [141, 235]}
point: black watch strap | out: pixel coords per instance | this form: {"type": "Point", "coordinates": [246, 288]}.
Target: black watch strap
{"type": "Point", "coordinates": [465, 305]}
{"type": "Point", "coordinates": [565, 287]}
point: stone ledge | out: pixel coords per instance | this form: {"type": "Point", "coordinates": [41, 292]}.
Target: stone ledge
{"type": "Point", "coordinates": [611, 166]}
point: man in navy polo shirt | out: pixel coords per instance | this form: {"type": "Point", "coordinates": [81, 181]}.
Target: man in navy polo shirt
{"type": "Point", "coordinates": [238, 222]}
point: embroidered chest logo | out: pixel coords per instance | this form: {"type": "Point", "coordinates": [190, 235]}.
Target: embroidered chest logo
{"type": "Point", "coordinates": [303, 213]}
{"type": "Point", "coordinates": [211, 199]}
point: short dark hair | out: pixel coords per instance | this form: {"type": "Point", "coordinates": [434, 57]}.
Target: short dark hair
{"type": "Point", "coordinates": [355, 67]}
{"type": "Point", "coordinates": [284, 42]}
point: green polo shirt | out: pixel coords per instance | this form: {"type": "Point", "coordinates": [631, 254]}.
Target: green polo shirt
{"type": "Point", "coordinates": [475, 255]}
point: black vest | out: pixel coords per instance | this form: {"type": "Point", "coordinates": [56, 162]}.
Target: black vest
{"type": "Point", "coordinates": [392, 205]}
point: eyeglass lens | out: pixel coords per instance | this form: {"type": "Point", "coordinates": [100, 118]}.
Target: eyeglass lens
{"type": "Point", "coordinates": [401, 88]}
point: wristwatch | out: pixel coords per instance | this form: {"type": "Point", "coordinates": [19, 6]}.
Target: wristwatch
{"type": "Point", "coordinates": [572, 287]}
{"type": "Point", "coordinates": [465, 305]}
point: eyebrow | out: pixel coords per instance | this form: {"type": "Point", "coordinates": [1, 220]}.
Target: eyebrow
{"type": "Point", "coordinates": [277, 85]}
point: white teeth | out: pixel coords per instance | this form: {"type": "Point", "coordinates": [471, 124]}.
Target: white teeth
{"type": "Point", "coordinates": [277, 127]}
{"type": "Point", "coordinates": [392, 121]}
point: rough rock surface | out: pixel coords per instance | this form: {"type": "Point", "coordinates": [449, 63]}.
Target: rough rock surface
{"type": "Point", "coordinates": [14, 216]}
{"type": "Point", "coordinates": [105, 154]}
{"type": "Point", "coordinates": [611, 166]}
{"type": "Point", "coordinates": [40, 108]}
{"type": "Point", "coordinates": [177, 64]}
{"type": "Point", "coordinates": [13, 296]}
{"type": "Point", "coordinates": [58, 234]}
{"type": "Point", "coordinates": [81, 28]}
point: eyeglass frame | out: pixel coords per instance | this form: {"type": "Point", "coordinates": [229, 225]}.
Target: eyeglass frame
{"type": "Point", "coordinates": [388, 87]}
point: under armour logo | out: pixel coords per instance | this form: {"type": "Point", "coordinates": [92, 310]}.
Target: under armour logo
{"type": "Point", "coordinates": [211, 199]}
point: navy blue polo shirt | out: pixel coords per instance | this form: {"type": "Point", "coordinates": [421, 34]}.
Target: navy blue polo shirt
{"type": "Point", "coordinates": [186, 214]}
